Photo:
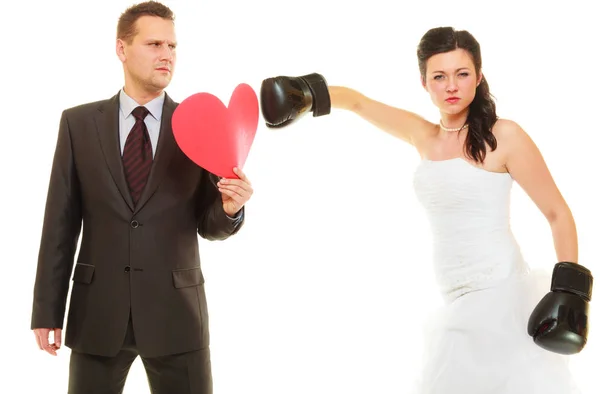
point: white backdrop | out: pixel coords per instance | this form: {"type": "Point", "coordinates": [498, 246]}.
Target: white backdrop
{"type": "Point", "coordinates": [327, 286]}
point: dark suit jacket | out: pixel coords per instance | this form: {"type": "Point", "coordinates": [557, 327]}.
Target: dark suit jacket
{"type": "Point", "coordinates": [144, 259]}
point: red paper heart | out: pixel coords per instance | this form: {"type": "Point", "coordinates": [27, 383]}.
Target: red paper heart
{"type": "Point", "coordinates": [216, 137]}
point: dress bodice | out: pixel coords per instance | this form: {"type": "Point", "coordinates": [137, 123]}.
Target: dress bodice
{"type": "Point", "coordinates": [468, 209]}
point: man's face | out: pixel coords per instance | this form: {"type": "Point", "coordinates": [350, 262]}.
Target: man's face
{"type": "Point", "coordinates": [149, 60]}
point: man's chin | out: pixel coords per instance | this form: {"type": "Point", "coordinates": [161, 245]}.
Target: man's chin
{"type": "Point", "coordinates": [159, 87]}
{"type": "Point", "coordinates": [161, 83]}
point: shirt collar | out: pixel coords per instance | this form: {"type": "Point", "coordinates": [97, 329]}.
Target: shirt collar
{"type": "Point", "coordinates": [127, 105]}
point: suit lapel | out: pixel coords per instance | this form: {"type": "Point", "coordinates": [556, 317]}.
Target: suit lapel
{"type": "Point", "coordinates": [107, 126]}
{"type": "Point", "coordinates": [164, 152]}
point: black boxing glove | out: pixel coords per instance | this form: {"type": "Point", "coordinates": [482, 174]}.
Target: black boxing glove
{"type": "Point", "coordinates": [284, 99]}
{"type": "Point", "coordinates": [559, 323]}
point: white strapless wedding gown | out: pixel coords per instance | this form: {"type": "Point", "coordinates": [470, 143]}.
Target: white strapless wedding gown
{"type": "Point", "coordinates": [478, 342]}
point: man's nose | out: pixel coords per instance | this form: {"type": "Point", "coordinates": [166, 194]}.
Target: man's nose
{"type": "Point", "coordinates": [166, 53]}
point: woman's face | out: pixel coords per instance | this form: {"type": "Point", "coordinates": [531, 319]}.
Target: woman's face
{"type": "Point", "coordinates": [451, 81]}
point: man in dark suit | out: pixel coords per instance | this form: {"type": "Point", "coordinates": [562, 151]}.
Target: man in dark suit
{"type": "Point", "coordinates": [137, 281]}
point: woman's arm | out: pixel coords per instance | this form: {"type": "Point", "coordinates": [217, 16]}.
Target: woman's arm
{"type": "Point", "coordinates": [528, 168]}
{"type": "Point", "coordinates": [285, 99]}
{"type": "Point", "coordinates": [400, 123]}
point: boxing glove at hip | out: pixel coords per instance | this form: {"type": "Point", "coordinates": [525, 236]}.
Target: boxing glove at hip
{"type": "Point", "coordinates": [559, 322]}
{"type": "Point", "coordinates": [284, 99]}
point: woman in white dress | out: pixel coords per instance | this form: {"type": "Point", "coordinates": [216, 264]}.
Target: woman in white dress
{"type": "Point", "coordinates": [490, 338]}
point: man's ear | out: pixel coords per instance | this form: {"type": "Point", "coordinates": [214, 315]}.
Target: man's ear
{"type": "Point", "coordinates": [120, 49]}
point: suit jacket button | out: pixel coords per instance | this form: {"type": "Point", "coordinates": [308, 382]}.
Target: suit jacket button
{"type": "Point", "coordinates": [135, 224]}
{"type": "Point", "coordinates": [127, 269]}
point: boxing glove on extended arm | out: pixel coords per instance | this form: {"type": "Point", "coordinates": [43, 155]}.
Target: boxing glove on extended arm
{"type": "Point", "coordinates": [559, 323]}
{"type": "Point", "coordinates": [284, 99]}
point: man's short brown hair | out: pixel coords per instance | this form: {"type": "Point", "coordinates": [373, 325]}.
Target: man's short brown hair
{"type": "Point", "coordinates": [127, 28]}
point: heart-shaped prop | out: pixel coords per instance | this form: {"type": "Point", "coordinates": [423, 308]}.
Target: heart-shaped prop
{"type": "Point", "coordinates": [216, 137]}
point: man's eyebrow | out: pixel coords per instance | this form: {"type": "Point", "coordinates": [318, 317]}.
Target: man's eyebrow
{"type": "Point", "coordinates": [154, 40]}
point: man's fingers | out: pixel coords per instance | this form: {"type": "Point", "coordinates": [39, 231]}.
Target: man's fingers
{"type": "Point", "coordinates": [235, 196]}
{"type": "Point", "coordinates": [237, 185]}
{"type": "Point", "coordinates": [234, 189]}
{"type": "Point", "coordinates": [43, 334]}
{"type": "Point", "coordinates": [42, 338]}
{"type": "Point", "coordinates": [37, 340]}
{"type": "Point", "coordinates": [242, 176]}
{"type": "Point", "coordinates": [58, 337]}
{"type": "Point", "coordinates": [51, 350]}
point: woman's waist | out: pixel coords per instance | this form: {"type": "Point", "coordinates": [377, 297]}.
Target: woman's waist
{"type": "Point", "coordinates": [475, 241]}
{"type": "Point", "coordinates": [462, 273]}
{"type": "Point", "coordinates": [457, 281]}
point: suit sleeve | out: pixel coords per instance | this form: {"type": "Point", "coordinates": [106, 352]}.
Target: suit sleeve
{"type": "Point", "coordinates": [213, 222]}
{"type": "Point", "coordinates": [60, 233]}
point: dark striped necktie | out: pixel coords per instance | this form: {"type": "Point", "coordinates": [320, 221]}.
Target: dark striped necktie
{"type": "Point", "coordinates": [137, 155]}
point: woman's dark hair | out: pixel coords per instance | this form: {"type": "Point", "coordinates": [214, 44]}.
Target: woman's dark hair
{"type": "Point", "coordinates": [482, 111]}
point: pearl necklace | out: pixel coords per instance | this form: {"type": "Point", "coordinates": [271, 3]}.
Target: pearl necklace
{"type": "Point", "coordinates": [452, 130]}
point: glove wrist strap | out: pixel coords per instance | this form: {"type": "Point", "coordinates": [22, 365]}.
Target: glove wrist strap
{"type": "Point", "coordinates": [321, 99]}
{"type": "Point", "coordinates": [572, 278]}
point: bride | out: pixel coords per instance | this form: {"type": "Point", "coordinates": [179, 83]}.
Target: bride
{"type": "Point", "coordinates": [504, 328]}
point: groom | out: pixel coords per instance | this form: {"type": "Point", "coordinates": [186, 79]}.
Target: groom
{"type": "Point", "coordinates": [138, 288]}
